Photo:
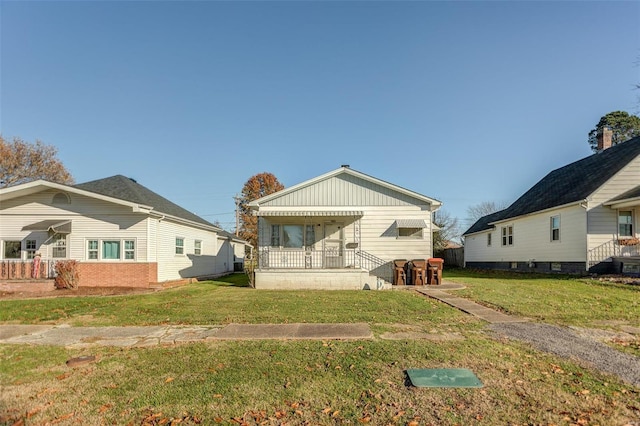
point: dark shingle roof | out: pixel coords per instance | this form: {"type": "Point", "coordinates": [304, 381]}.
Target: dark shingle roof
{"type": "Point", "coordinates": [571, 183]}
{"type": "Point", "coordinates": [126, 189]}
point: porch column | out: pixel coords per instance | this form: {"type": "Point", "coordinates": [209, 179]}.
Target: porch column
{"type": "Point", "coordinates": [356, 238]}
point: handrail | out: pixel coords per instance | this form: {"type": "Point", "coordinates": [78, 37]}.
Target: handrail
{"type": "Point", "coordinates": [612, 248]}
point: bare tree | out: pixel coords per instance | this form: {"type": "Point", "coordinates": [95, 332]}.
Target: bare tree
{"type": "Point", "coordinates": [477, 211]}
{"type": "Point", "coordinates": [22, 162]}
{"type": "Point", "coordinates": [449, 230]}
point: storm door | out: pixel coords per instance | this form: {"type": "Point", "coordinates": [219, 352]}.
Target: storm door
{"type": "Point", "coordinates": [333, 245]}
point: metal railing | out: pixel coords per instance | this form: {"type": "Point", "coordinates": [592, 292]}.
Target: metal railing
{"type": "Point", "coordinates": [275, 258]}
{"type": "Point", "coordinates": [17, 269]}
{"type": "Point", "coordinates": [610, 249]}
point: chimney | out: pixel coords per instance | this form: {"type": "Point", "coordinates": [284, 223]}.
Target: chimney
{"type": "Point", "coordinates": [604, 138]}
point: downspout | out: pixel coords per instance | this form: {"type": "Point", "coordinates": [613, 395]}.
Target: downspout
{"type": "Point", "coordinates": [585, 205]}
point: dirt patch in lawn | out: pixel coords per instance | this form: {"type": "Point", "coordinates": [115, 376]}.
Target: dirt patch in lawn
{"type": "Point", "coordinates": [79, 292]}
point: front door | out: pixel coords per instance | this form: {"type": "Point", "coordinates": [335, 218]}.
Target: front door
{"type": "Point", "coordinates": [333, 245]}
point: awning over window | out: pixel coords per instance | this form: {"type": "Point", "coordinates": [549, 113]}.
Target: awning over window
{"type": "Point", "coordinates": [310, 213]}
{"type": "Point", "coordinates": [58, 226]}
{"type": "Point", "coordinates": [410, 223]}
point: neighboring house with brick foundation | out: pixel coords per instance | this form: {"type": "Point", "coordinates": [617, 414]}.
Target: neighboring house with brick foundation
{"type": "Point", "coordinates": [578, 218]}
{"type": "Point", "coordinates": [340, 230]}
{"type": "Point", "coordinates": [121, 233]}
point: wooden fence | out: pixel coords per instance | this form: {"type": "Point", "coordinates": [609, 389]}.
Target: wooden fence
{"type": "Point", "coordinates": [454, 257]}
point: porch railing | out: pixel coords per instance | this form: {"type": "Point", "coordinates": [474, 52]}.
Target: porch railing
{"type": "Point", "coordinates": [270, 258]}
{"type": "Point", "coordinates": [17, 269]}
{"type": "Point", "coordinates": [610, 249]}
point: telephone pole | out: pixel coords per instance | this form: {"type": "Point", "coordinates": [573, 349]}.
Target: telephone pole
{"type": "Point", "coordinates": [237, 200]}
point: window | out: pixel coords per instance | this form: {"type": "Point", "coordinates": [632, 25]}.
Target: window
{"type": "Point", "coordinates": [293, 236]}
{"type": "Point", "coordinates": [111, 250]}
{"type": "Point", "coordinates": [179, 245]}
{"type": "Point", "coordinates": [507, 235]}
{"type": "Point", "coordinates": [410, 232]}
{"type": "Point", "coordinates": [92, 249]}
{"type": "Point", "coordinates": [59, 250]}
{"type": "Point", "coordinates": [30, 248]}
{"type": "Point", "coordinates": [129, 250]}
{"type": "Point", "coordinates": [555, 228]}
{"type": "Point", "coordinates": [275, 235]}
{"type": "Point", "coordinates": [625, 224]}
{"type": "Point", "coordinates": [60, 198]}
{"type": "Point", "coordinates": [197, 247]}
{"type": "Point", "coordinates": [12, 249]}
{"type": "Point", "coordinates": [489, 239]}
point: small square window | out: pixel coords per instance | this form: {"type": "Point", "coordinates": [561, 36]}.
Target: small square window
{"type": "Point", "coordinates": [12, 249]}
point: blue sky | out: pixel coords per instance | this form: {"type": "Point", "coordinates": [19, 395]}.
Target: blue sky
{"type": "Point", "coordinates": [464, 102]}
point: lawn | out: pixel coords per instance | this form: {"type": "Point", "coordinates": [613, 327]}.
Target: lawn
{"type": "Point", "coordinates": [295, 382]}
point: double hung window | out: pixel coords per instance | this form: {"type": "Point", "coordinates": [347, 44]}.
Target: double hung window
{"type": "Point", "coordinates": [507, 235]}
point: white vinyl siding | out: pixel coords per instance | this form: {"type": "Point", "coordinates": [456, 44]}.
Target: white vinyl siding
{"type": "Point", "coordinates": [378, 233]}
{"type": "Point", "coordinates": [603, 220]}
{"type": "Point", "coordinates": [531, 240]}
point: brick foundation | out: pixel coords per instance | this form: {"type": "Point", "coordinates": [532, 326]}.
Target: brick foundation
{"type": "Point", "coordinates": [102, 274]}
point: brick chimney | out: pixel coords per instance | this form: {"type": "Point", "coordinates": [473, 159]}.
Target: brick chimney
{"type": "Point", "coordinates": [604, 138]}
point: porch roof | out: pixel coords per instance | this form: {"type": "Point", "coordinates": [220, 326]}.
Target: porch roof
{"type": "Point", "coordinates": [305, 213]}
{"type": "Point", "coordinates": [628, 199]}
{"type": "Point", "coordinates": [56, 225]}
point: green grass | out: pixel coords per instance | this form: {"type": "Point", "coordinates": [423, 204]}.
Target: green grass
{"type": "Point", "coordinates": [216, 302]}
{"type": "Point", "coordinates": [316, 382]}
{"type": "Point", "coordinates": [554, 299]}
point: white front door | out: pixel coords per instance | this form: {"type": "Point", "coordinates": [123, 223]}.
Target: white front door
{"type": "Point", "coordinates": [333, 245]}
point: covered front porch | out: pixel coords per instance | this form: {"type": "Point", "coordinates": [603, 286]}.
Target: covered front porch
{"type": "Point", "coordinates": [316, 249]}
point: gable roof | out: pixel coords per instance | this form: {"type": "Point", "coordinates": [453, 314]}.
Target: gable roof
{"type": "Point", "coordinates": [344, 170]}
{"type": "Point", "coordinates": [127, 189]}
{"type": "Point", "coordinates": [569, 184]}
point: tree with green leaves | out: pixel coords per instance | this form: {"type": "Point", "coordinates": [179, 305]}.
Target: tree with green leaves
{"type": "Point", "coordinates": [257, 186]}
{"type": "Point", "coordinates": [22, 162]}
{"type": "Point", "coordinates": [623, 125]}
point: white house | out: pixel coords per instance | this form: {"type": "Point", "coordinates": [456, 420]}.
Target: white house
{"type": "Point", "coordinates": [580, 217]}
{"type": "Point", "coordinates": [121, 233]}
{"type": "Point", "coordinates": [341, 230]}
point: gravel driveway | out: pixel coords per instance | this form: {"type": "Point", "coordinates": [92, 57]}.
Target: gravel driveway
{"type": "Point", "coordinates": [566, 343]}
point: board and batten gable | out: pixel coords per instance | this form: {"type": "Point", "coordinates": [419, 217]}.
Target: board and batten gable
{"type": "Point", "coordinates": [532, 239]}
{"type": "Point", "coordinates": [603, 220]}
{"type": "Point", "coordinates": [343, 190]}
{"type": "Point", "coordinates": [376, 207]}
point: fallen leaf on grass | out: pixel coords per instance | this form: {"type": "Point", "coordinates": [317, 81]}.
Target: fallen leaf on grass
{"type": "Point", "coordinates": [104, 408]}
{"type": "Point", "coordinates": [169, 379]}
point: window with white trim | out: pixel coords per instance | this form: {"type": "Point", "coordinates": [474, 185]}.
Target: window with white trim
{"type": "Point", "coordinates": [92, 249]}
{"type": "Point", "coordinates": [293, 236]}
{"type": "Point", "coordinates": [555, 228]}
{"type": "Point", "coordinates": [179, 245]}
{"type": "Point", "coordinates": [59, 250]}
{"type": "Point", "coordinates": [111, 249]}
{"type": "Point", "coordinates": [30, 248]}
{"type": "Point", "coordinates": [197, 247]}
{"type": "Point", "coordinates": [12, 249]}
{"type": "Point", "coordinates": [625, 223]}
{"type": "Point", "coordinates": [410, 233]}
{"type": "Point", "coordinates": [507, 235]}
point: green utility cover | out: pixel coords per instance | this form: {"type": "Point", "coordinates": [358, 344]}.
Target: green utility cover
{"type": "Point", "coordinates": [443, 378]}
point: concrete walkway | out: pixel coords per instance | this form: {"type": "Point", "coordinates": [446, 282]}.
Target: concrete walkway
{"type": "Point", "coordinates": [465, 305]}
{"type": "Point", "coordinates": [142, 336]}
